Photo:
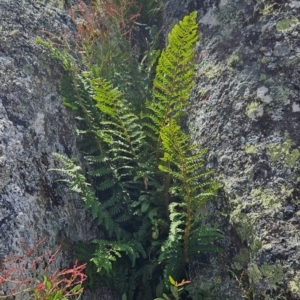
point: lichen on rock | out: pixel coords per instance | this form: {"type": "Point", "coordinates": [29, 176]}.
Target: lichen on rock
{"type": "Point", "coordinates": [34, 124]}
{"type": "Point", "coordinates": [256, 90]}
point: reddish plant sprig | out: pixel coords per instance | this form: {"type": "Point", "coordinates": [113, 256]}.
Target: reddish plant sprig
{"type": "Point", "coordinates": [22, 274]}
{"type": "Point", "coordinates": [99, 22]}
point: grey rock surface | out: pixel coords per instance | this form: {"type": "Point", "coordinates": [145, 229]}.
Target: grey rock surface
{"type": "Point", "coordinates": [246, 110]}
{"type": "Point", "coordinates": [33, 125]}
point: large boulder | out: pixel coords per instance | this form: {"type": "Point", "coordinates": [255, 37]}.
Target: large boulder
{"type": "Point", "coordinates": [33, 125]}
{"type": "Point", "coordinates": [246, 110]}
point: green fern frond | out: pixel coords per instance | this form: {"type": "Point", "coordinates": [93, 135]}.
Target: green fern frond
{"type": "Point", "coordinates": [171, 249]}
{"type": "Point", "coordinates": [185, 165]}
{"type": "Point", "coordinates": [78, 184]}
{"type": "Point", "coordinates": [100, 172]}
{"type": "Point", "coordinates": [144, 230]}
{"type": "Point", "coordinates": [115, 210]}
{"type": "Point", "coordinates": [138, 250]}
{"type": "Point", "coordinates": [107, 253]}
{"type": "Point", "coordinates": [202, 240]}
{"type": "Point", "coordinates": [123, 123]}
{"type": "Point", "coordinates": [174, 76]}
{"type": "Point", "coordinates": [68, 62]}
{"type": "Point", "coordinates": [106, 184]}
{"type": "Point", "coordinates": [123, 218]}
{"type": "Point", "coordinates": [84, 253]}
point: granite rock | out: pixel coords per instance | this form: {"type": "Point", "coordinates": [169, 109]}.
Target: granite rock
{"type": "Point", "coordinates": [33, 125]}
{"type": "Point", "coordinates": [245, 109]}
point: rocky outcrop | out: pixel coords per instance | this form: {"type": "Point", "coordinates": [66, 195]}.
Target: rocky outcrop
{"type": "Point", "coordinates": [33, 125]}
{"type": "Point", "coordinates": [246, 110]}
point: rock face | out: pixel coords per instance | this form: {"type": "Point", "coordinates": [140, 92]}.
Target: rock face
{"type": "Point", "coordinates": [33, 124]}
{"type": "Point", "coordinates": [246, 110]}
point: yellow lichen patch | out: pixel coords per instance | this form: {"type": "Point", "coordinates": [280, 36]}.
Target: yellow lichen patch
{"type": "Point", "coordinates": [267, 198]}
{"type": "Point", "coordinates": [287, 24]}
{"type": "Point", "coordinates": [263, 77]}
{"type": "Point", "coordinates": [294, 286]}
{"type": "Point", "coordinates": [210, 71]}
{"type": "Point", "coordinates": [202, 92]}
{"type": "Point", "coordinates": [233, 61]}
{"type": "Point", "coordinates": [218, 280]}
{"type": "Point", "coordinates": [271, 199]}
{"type": "Point", "coordinates": [250, 149]}
{"type": "Point", "coordinates": [274, 152]}
{"type": "Point", "coordinates": [268, 9]}
{"type": "Point", "coordinates": [265, 59]}
{"type": "Point", "coordinates": [292, 157]}
{"type": "Point", "coordinates": [254, 109]}
{"type": "Point", "coordinates": [283, 152]}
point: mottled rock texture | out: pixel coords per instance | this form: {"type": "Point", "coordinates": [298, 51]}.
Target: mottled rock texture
{"type": "Point", "coordinates": [246, 110]}
{"type": "Point", "coordinates": [33, 124]}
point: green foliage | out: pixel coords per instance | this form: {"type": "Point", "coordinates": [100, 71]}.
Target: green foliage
{"type": "Point", "coordinates": [145, 181]}
{"type": "Point", "coordinates": [78, 184]}
{"type": "Point", "coordinates": [177, 289]}
{"type": "Point", "coordinates": [84, 253]}
{"type": "Point", "coordinates": [108, 252]}
{"type": "Point", "coordinates": [185, 165]}
{"type": "Point", "coordinates": [174, 77]}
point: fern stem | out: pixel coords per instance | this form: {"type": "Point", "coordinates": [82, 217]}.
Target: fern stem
{"type": "Point", "coordinates": [167, 196]}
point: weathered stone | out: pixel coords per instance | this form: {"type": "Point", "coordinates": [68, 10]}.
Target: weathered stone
{"type": "Point", "coordinates": [33, 125]}
{"type": "Point", "coordinates": [249, 120]}
{"type": "Point", "coordinates": [248, 111]}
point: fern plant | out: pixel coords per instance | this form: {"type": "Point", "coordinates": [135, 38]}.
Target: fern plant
{"type": "Point", "coordinates": [147, 180]}
{"type": "Point", "coordinates": [174, 77]}
{"type": "Point", "coordinates": [185, 165]}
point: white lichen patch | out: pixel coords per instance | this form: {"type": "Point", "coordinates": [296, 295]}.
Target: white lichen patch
{"type": "Point", "coordinates": [210, 71]}
{"type": "Point", "coordinates": [282, 94]}
{"type": "Point", "coordinates": [295, 286]}
{"type": "Point", "coordinates": [281, 49]}
{"type": "Point", "coordinates": [262, 94]}
{"type": "Point", "coordinates": [39, 124]}
{"type": "Point", "coordinates": [267, 198]}
{"type": "Point", "coordinates": [209, 18]}
{"type": "Point", "coordinates": [295, 4]}
{"type": "Point", "coordinates": [296, 107]}
{"type": "Point", "coordinates": [223, 2]}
